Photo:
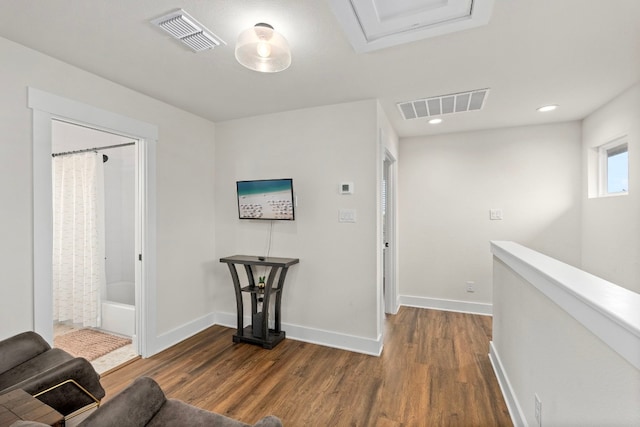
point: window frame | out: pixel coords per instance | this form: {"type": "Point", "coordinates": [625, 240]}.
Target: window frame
{"type": "Point", "coordinates": [603, 165]}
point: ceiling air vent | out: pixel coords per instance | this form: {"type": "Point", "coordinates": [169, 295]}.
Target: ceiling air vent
{"type": "Point", "coordinates": [189, 31]}
{"type": "Point", "coordinates": [443, 104]}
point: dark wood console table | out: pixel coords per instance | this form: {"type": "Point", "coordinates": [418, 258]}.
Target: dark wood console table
{"type": "Point", "coordinates": [259, 332]}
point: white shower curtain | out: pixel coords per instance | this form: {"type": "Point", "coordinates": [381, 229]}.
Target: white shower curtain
{"type": "Point", "coordinates": [78, 238]}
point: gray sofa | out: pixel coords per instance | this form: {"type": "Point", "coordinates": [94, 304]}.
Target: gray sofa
{"type": "Point", "coordinates": [143, 403]}
{"type": "Point", "coordinates": [66, 383]}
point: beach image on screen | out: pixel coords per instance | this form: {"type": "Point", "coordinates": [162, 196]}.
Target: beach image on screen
{"type": "Point", "coordinates": [266, 199]}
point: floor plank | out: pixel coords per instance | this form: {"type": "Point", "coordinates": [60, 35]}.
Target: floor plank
{"type": "Point", "coordinates": [434, 371]}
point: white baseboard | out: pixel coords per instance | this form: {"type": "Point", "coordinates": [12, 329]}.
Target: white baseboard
{"type": "Point", "coordinates": [447, 305]}
{"type": "Point", "coordinates": [315, 336]}
{"type": "Point", "coordinates": [515, 411]}
{"type": "Point", "coordinates": [181, 333]}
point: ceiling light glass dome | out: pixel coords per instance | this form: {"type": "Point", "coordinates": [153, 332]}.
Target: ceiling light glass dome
{"type": "Point", "coordinates": [262, 49]}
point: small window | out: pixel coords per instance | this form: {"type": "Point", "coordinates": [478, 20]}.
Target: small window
{"type": "Point", "coordinates": [614, 167]}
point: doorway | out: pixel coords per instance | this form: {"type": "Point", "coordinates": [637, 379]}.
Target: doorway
{"type": "Point", "coordinates": [46, 108]}
{"type": "Point", "coordinates": [103, 218]}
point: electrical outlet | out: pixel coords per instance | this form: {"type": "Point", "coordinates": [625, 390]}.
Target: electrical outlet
{"type": "Point", "coordinates": [538, 410]}
{"type": "Point", "coordinates": [471, 286]}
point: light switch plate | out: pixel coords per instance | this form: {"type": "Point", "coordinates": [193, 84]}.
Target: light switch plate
{"type": "Point", "coordinates": [347, 215]}
{"type": "Point", "coordinates": [495, 214]}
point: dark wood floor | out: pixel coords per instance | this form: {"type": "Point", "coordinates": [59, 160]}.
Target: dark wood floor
{"type": "Point", "coordinates": [434, 371]}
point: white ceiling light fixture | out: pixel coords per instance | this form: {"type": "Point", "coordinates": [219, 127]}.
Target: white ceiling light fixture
{"type": "Point", "coordinates": [435, 121]}
{"type": "Point", "coordinates": [262, 49]}
{"type": "Point", "coordinates": [185, 28]}
{"type": "Point", "coordinates": [547, 108]}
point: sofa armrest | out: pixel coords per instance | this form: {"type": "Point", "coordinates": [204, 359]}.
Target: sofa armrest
{"type": "Point", "coordinates": [136, 405]}
{"type": "Point", "coordinates": [175, 412]}
{"type": "Point", "coordinates": [66, 386]}
{"type": "Point", "coordinates": [20, 348]}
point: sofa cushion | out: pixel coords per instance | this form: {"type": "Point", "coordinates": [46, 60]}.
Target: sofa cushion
{"type": "Point", "coordinates": [20, 348]}
{"type": "Point", "coordinates": [22, 373]}
{"type": "Point", "coordinates": [134, 406]}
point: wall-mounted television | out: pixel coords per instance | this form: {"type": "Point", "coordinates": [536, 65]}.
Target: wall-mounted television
{"type": "Point", "coordinates": [270, 199]}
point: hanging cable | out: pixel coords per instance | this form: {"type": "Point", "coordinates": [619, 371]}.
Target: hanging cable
{"type": "Point", "coordinates": [269, 238]}
{"type": "Point", "coordinates": [268, 249]}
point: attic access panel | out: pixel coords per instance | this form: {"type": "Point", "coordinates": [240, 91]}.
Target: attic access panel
{"type": "Point", "coordinates": [376, 24]}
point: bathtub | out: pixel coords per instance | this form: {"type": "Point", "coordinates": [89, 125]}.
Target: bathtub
{"type": "Point", "coordinates": [118, 310]}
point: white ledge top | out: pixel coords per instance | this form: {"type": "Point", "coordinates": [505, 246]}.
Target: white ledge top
{"type": "Point", "coordinates": [608, 310]}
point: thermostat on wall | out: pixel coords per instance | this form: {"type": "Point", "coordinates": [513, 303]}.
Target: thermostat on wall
{"type": "Point", "coordinates": [346, 188]}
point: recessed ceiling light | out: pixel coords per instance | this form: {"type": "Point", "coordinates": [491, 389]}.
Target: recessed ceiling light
{"type": "Point", "coordinates": [547, 108]}
{"type": "Point", "coordinates": [435, 121]}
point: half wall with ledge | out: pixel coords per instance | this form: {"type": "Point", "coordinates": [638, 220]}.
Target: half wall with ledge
{"type": "Point", "coordinates": [563, 337]}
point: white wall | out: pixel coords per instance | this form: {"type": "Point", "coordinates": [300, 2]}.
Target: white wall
{"type": "Point", "coordinates": [390, 140]}
{"type": "Point", "coordinates": [120, 185]}
{"type": "Point", "coordinates": [185, 204]}
{"type": "Point", "coordinates": [611, 225]}
{"type": "Point", "coordinates": [449, 183]}
{"type": "Point", "coordinates": [334, 288]}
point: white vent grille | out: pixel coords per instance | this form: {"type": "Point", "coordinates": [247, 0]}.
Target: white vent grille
{"type": "Point", "coordinates": [189, 31]}
{"type": "Point", "coordinates": [444, 104]}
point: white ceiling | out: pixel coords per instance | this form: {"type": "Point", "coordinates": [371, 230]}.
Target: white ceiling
{"type": "Point", "coordinates": [575, 53]}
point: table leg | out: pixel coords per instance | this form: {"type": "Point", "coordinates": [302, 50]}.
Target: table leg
{"type": "Point", "coordinates": [239, 305]}
{"type": "Point", "coordinates": [283, 274]}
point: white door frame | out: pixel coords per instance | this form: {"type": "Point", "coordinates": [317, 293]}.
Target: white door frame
{"type": "Point", "coordinates": [391, 305]}
{"type": "Point", "coordinates": [47, 107]}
